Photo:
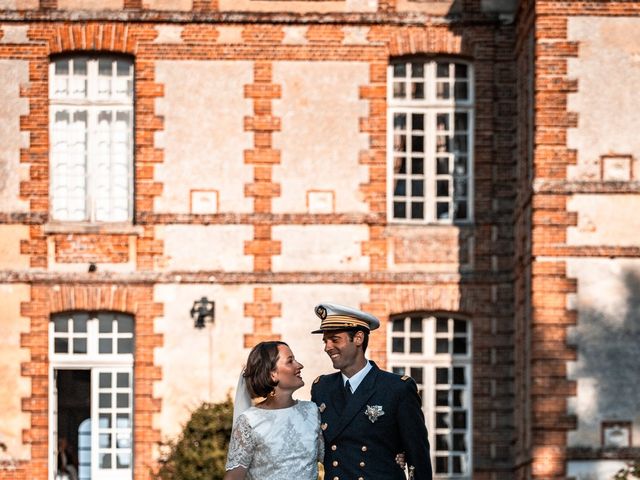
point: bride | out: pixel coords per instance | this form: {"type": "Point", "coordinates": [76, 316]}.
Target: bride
{"type": "Point", "coordinates": [278, 438]}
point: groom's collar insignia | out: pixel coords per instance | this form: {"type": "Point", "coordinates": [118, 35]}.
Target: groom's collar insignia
{"type": "Point", "coordinates": [317, 379]}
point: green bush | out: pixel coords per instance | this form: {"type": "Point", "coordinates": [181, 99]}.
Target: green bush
{"type": "Point", "coordinates": [631, 471]}
{"type": "Point", "coordinates": [200, 451]}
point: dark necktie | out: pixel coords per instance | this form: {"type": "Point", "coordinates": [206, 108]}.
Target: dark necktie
{"type": "Point", "coordinates": [347, 391]}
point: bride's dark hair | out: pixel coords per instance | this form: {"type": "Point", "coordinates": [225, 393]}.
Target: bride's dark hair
{"type": "Point", "coordinates": [261, 362]}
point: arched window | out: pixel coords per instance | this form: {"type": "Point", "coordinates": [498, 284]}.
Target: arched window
{"type": "Point", "coordinates": [436, 350]}
{"type": "Point", "coordinates": [91, 138]}
{"type": "Point", "coordinates": [430, 140]}
{"type": "Point", "coordinates": [92, 391]}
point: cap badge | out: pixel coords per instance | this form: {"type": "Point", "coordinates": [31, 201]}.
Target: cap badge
{"type": "Point", "coordinates": [321, 312]}
{"type": "Point", "coordinates": [374, 412]}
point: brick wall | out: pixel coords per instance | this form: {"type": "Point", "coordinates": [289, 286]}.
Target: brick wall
{"type": "Point", "coordinates": [483, 291]}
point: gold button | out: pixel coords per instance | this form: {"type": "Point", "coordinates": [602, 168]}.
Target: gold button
{"type": "Point", "coordinates": [335, 463]}
{"type": "Point", "coordinates": [323, 426]}
{"type": "Point", "coordinates": [364, 448]}
{"type": "Point", "coordinates": [333, 447]}
{"type": "Point", "coordinates": [360, 478]}
{"type": "Point", "coordinates": [362, 464]}
{"type": "Point", "coordinates": [336, 478]}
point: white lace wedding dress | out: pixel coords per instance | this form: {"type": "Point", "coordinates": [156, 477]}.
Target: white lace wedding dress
{"type": "Point", "coordinates": [281, 444]}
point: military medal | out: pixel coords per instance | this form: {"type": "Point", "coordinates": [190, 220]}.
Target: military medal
{"type": "Point", "coordinates": [374, 412]}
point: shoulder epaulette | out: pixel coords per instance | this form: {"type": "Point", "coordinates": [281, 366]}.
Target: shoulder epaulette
{"type": "Point", "coordinates": [317, 379]}
{"type": "Point", "coordinates": [405, 378]}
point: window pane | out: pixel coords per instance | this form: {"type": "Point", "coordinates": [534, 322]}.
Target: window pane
{"type": "Point", "coordinates": [459, 346]}
{"type": "Point", "coordinates": [417, 121]}
{"type": "Point", "coordinates": [398, 325]}
{"type": "Point", "coordinates": [442, 210]}
{"type": "Point", "coordinates": [104, 420]}
{"type": "Point", "coordinates": [105, 345]}
{"type": "Point", "coordinates": [442, 121]}
{"type": "Point", "coordinates": [399, 210]}
{"type": "Point", "coordinates": [442, 90]}
{"type": "Point", "coordinates": [442, 70]}
{"type": "Point", "coordinates": [123, 420]}
{"type": "Point", "coordinates": [442, 442]}
{"type": "Point", "coordinates": [400, 165]}
{"type": "Point", "coordinates": [461, 70]}
{"type": "Point", "coordinates": [105, 380]}
{"type": "Point", "coordinates": [442, 465]}
{"type": "Point", "coordinates": [415, 345]}
{"type": "Point", "coordinates": [461, 90]}
{"type": "Point", "coordinates": [442, 398]}
{"type": "Point", "coordinates": [122, 400]}
{"type": "Point", "coordinates": [442, 376]}
{"type": "Point", "coordinates": [459, 326]}
{"type": "Point", "coordinates": [459, 442]}
{"type": "Point", "coordinates": [104, 400]}
{"type": "Point", "coordinates": [125, 345]}
{"type": "Point", "coordinates": [417, 188]}
{"type": "Point", "coordinates": [122, 380]}
{"type": "Point", "coordinates": [123, 460]}
{"type": "Point", "coordinates": [459, 419]}
{"type": "Point", "coordinates": [80, 323]}
{"type": "Point", "coordinates": [461, 210]}
{"type": "Point", "coordinates": [442, 165]}
{"type": "Point", "coordinates": [456, 464]}
{"type": "Point", "coordinates": [105, 460]}
{"type": "Point", "coordinates": [417, 143]}
{"type": "Point", "coordinates": [458, 398]}
{"type": "Point", "coordinates": [61, 324]}
{"type": "Point", "coordinates": [442, 325]}
{"type": "Point", "coordinates": [416, 374]}
{"type": "Point", "coordinates": [442, 345]}
{"type": "Point", "coordinates": [397, 345]}
{"type": "Point", "coordinates": [399, 90]}
{"type": "Point", "coordinates": [417, 90]}
{"type": "Point", "coordinates": [62, 67]}
{"type": "Point", "coordinates": [400, 188]}
{"type": "Point", "coordinates": [442, 188]}
{"type": "Point", "coordinates": [61, 345]}
{"type": "Point", "coordinates": [125, 324]}
{"type": "Point", "coordinates": [458, 376]}
{"type": "Point", "coordinates": [80, 345]}
{"type": "Point", "coordinates": [105, 323]}
{"type": "Point", "coordinates": [442, 420]}
{"type": "Point", "coordinates": [416, 324]}
{"type": "Point", "coordinates": [399, 70]}
{"type": "Point", "coordinates": [105, 440]}
{"type": "Point", "coordinates": [417, 210]}
{"type": "Point", "coordinates": [417, 70]}
{"type": "Point", "coordinates": [399, 121]}
{"type": "Point", "coordinates": [398, 370]}
{"type": "Point", "coordinates": [417, 166]}
{"type": "Point", "coordinates": [461, 122]}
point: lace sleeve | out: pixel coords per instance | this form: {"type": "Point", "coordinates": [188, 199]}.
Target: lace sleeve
{"type": "Point", "coordinates": [241, 444]}
{"type": "Point", "coordinates": [320, 441]}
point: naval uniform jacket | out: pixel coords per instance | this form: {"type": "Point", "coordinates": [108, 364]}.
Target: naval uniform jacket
{"type": "Point", "coordinates": [382, 418]}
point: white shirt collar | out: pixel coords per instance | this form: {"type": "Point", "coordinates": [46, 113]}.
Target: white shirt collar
{"type": "Point", "coordinates": [356, 379]}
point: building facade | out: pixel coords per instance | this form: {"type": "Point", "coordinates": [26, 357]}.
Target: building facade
{"type": "Point", "coordinates": [466, 170]}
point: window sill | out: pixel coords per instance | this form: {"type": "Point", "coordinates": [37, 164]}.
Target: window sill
{"type": "Point", "coordinates": [93, 228]}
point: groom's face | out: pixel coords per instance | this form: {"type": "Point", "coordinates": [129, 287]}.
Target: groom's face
{"type": "Point", "coordinates": [342, 350]}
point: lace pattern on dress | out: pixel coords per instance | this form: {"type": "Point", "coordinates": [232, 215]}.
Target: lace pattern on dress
{"type": "Point", "coordinates": [241, 444]}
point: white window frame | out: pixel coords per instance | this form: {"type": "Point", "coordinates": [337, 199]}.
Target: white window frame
{"type": "Point", "coordinates": [428, 361]}
{"type": "Point", "coordinates": [96, 363]}
{"type": "Point", "coordinates": [430, 106]}
{"type": "Point", "coordinates": [93, 102]}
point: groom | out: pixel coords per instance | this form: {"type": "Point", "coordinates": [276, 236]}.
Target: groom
{"type": "Point", "coordinates": [368, 415]}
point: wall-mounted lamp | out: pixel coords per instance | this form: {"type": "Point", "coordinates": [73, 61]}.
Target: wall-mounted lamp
{"type": "Point", "coordinates": [203, 311]}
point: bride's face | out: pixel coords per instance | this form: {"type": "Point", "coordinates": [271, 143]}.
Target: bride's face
{"type": "Point", "coordinates": [288, 370]}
